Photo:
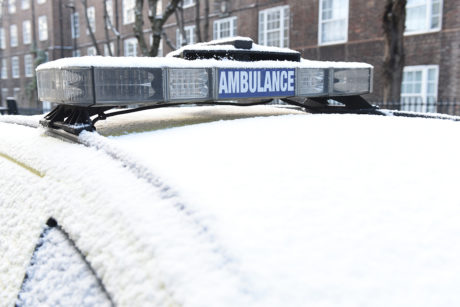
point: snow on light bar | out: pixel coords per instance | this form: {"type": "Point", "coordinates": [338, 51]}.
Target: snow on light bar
{"type": "Point", "coordinates": [105, 81]}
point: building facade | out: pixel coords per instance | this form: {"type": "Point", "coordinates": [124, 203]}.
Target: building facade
{"type": "Point", "coordinates": [336, 30]}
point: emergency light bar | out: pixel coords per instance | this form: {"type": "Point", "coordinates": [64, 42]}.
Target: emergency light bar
{"type": "Point", "coordinates": [103, 81]}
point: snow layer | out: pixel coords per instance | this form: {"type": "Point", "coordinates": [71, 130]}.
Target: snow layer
{"type": "Point", "coordinates": [292, 210]}
{"type": "Point", "coordinates": [323, 210]}
{"type": "Point", "coordinates": [100, 61]}
{"type": "Point", "coordinates": [58, 276]}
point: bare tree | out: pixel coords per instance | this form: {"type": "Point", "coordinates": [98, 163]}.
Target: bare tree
{"type": "Point", "coordinates": [197, 22]}
{"type": "Point", "coordinates": [157, 22]}
{"type": "Point", "coordinates": [88, 26]}
{"type": "Point", "coordinates": [394, 18]}
{"type": "Point", "coordinates": [139, 27]}
{"type": "Point", "coordinates": [107, 27]}
{"type": "Point", "coordinates": [180, 23]}
{"type": "Point", "coordinates": [206, 20]}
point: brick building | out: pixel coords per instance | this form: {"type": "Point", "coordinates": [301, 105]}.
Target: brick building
{"type": "Point", "coordinates": [340, 30]}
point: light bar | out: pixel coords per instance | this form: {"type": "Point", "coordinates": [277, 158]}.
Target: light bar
{"type": "Point", "coordinates": [215, 81]}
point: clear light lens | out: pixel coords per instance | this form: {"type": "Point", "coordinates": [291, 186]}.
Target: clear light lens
{"type": "Point", "coordinates": [128, 85]}
{"type": "Point", "coordinates": [188, 83]}
{"type": "Point", "coordinates": [352, 81]}
{"type": "Point", "coordinates": [71, 86]}
{"type": "Point", "coordinates": [312, 82]}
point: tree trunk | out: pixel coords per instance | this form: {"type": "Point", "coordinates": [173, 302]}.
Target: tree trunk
{"type": "Point", "coordinates": [90, 30]}
{"type": "Point", "coordinates": [180, 23]}
{"type": "Point", "coordinates": [197, 22]}
{"type": "Point", "coordinates": [157, 22]}
{"type": "Point", "coordinates": [394, 19]}
{"type": "Point", "coordinates": [139, 27]}
{"type": "Point", "coordinates": [206, 21]}
{"type": "Point", "coordinates": [107, 23]}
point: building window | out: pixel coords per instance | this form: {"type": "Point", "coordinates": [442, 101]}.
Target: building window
{"type": "Point", "coordinates": [16, 93]}
{"type": "Point", "coordinates": [91, 51]}
{"type": "Point", "coordinates": [188, 3]}
{"type": "Point", "coordinates": [13, 35]}
{"type": "Point", "coordinates": [110, 11]}
{"type": "Point", "coordinates": [2, 39]}
{"type": "Point", "coordinates": [189, 35]}
{"type": "Point", "coordinates": [76, 53]}
{"type": "Point", "coordinates": [4, 93]}
{"type": "Point", "coordinates": [130, 47]}
{"type": "Point", "coordinates": [28, 65]}
{"type": "Point", "coordinates": [106, 49]}
{"type": "Point", "coordinates": [15, 67]}
{"type": "Point", "coordinates": [75, 25]}
{"type": "Point", "coordinates": [128, 11]}
{"type": "Point", "coordinates": [419, 88]}
{"type": "Point", "coordinates": [333, 22]}
{"type": "Point", "coordinates": [4, 69]}
{"type": "Point", "coordinates": [41, 1]}
{"type": "Point", "coordinates": [274, 26]}
{"type": "Point", "coordinates": [225, 28]}
{"type": "Point", "coordinates": [42, 28]}
{"type": "Point", "coordinates": [423, 16]}
{"type": "Point", "coordinates": [26, 32]}
{"type": "Point", "coordinates": [92, 19]}
{"type": "Point", "coordinates": [25, 4]}
{"type": "Point", "coordinates": [11, 6]}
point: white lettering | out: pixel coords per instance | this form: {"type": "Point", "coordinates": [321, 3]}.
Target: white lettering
{"type": "Point", "coordinates": [276, 81]}
{"type": "Point", "coordinates": [244, 82]}
{"type": "Point", "coordinates": [283, 80]}
{"type": "Point", "coordinates": [252, 81]}
{"type": "Point", "coordinates": [291, 80]}
{"type": "Point", "coordinates": [268, 82]}
{"type": "Point", "coordinates": [223, 83]}
{"type": "Point", "coordinates": [260, 87]}
{"type": "Point", "coordinates": [233, 84]}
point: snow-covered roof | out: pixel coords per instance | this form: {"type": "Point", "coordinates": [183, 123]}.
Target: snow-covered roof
{"type": "Point", "coordinates": [289, 210]}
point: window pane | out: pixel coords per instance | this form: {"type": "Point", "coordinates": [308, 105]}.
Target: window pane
{"type": "Point", "coordinates": [415, 19]}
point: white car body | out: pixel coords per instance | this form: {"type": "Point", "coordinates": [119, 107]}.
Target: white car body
{"type": "Point", "coordinates": [200, 206]}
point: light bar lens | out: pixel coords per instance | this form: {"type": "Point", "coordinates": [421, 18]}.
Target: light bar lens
{"type": "Point", "coordinates": [351, 81]}
{"type": "Point", "coordinates": [65, 85]}
{"type": "Point", "coordinates": [128, 85]}
{"type": "Point", "coordinates": [312, 81]}
{"type": "Point", "coordinates": [189, 83]}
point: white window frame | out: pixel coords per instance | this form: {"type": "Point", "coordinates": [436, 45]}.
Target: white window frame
{"type": "Point", "coordinates": [11, 6]}
{"type": "Point", "coordinates": [263, 29]}
{"type": "Point", "coordinates": [76, 53]}
{"type": "Point", "coordinates": [91, 11]}
{"type": "Point", "coordinates": [26, 32]}
{"type": "Point", "coordinates": [4, 71]}
{"type": "Point", "coordinates": [128, 11]}
{"type": "Point", "coordinates": [91, 51]}
{"type": "Point", "coordinates": [109, 4]}
{"type": "Point", "coordinates": [42, 28]}
{"type": "Point", "coordinates": [127, 43]}
{"type": "Point", "coordinates": [188, 3]}
{"type": "Point", "coordinates": [13, 35]}
{"type": "Point", "coordinates": [233, 21]}
{"type": "Point", "coordinates": [75, 25]}
{"type": "Point", "coordinates": [321, 23]}
{"type": "Point", "coordinates": [25, 4]}
{"type": "Point", "coordinates": [2, 38]}
{"type": "Point", "coordinates": [28, 65]}
{"type": "Point", "coordinates": [15, 73]}
{"type": "Point", "coordinates": [424, 105]}
{"type": "Point", "coordinates": [106, 49]}
{"type": "Point", "coordinates": [428, 16]}
{"type": "Point", "coordinates": [190, 31]}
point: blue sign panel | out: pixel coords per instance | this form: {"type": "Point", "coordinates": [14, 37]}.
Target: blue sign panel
{"type": "Point", "coordinates": [256, 82]}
